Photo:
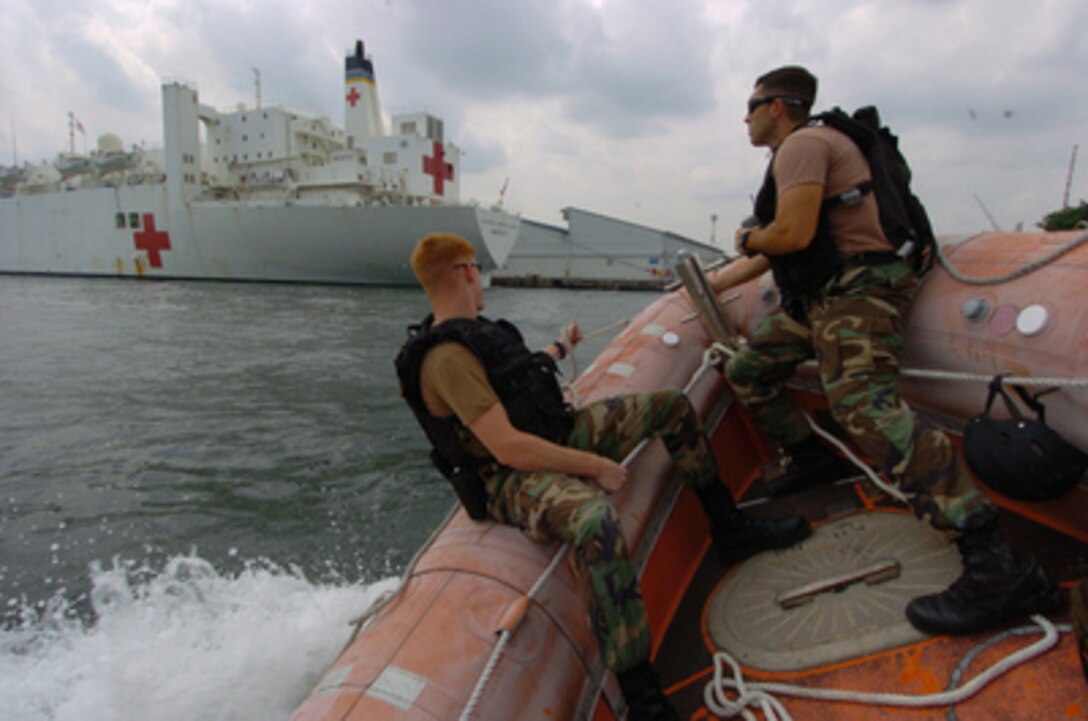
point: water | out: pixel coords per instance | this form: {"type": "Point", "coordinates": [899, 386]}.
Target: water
{"type": "Point", "coordinates": [202, 483]}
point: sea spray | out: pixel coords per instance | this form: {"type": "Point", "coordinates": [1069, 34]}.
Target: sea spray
{"type": "Point", "coordinates": [181, 643]}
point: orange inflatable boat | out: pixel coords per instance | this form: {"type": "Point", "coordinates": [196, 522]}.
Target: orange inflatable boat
{"type": "Point", "coordinates": [489, 625]}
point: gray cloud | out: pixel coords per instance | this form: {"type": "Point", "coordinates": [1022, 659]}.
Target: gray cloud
{"type": "Point", "coordinates": [584, 103]}
{"type": "Point", "coordinates": [488, 49]}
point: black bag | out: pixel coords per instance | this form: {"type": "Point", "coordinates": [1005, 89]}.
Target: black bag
{"type": "Point", "coordinates": [1020, 457]}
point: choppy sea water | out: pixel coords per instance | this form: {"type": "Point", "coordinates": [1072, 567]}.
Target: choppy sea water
{"type": "Point", "coordinates": [202, 483]}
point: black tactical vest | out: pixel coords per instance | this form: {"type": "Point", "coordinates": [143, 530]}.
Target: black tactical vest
{"type": "Point", "coordinates": [524, 381]}
{"type": "Point", "coordinates": [799, 275]}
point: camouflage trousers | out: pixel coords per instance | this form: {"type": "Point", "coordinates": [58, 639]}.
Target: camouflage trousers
{"type": "Point", "coordinates": [557, 507]}
{"type": "Point", "coordinates": [855, 334]}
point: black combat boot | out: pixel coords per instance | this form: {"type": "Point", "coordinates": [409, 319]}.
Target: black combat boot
{"type": "Point", "coordinates": [642, 692]}
{"type": "Point", "coordinates": [1080, 622]}
{"type": "Point", "coordinates": [738, 536]}
{"type": "Point", "coordinates": [809, 464]}
{"type": "Point", "coordinates": [998, 584]}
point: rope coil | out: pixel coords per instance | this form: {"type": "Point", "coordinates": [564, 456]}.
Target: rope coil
{"type": "Point", "coordinates": [750, 694]}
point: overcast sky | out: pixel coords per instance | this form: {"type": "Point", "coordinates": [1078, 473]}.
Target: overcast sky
{"type": "Point", "coordinates": [625, 107]}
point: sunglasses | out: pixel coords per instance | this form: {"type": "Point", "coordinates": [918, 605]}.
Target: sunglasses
{"type": "Point", "coordinates": [754, 103]}
{"type": "Point", "coordinates": [472, 263]}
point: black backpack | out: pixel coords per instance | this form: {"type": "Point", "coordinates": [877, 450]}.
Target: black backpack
{"type": "Point", "coordinates": [902, 216]}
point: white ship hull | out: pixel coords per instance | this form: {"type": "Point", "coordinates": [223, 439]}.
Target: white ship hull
{"type": "Point", "coordinates": [78, 233]}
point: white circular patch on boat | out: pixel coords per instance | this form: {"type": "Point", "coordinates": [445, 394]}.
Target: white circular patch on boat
{"type": "Point", "coordinates": [670, 339]}
{"type": "Point", "coordinates": [1032, 320]}
{"type": "Point", "coordinates": [838, 595]}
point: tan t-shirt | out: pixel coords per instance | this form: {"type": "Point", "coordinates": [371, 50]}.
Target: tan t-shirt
{"type": "Point", "coordinates": [822, 155]}
{"type": "Point", "coordinates": [453, 383]}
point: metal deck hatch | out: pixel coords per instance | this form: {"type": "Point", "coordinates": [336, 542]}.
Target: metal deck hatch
{"type": "Point", "coordinates": [838, 595]}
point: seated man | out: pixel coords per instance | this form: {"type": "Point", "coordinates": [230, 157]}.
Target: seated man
{"type": "Point", "coordinates": [517, 454]}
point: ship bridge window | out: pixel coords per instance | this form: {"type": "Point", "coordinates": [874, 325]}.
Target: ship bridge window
{"type": "Point", "coordinates": [408, 128]}
{"type": "Point", "coordinates": [389, 158]}
{"type": "Point", "coordinates": [434, 129]}
{"type": "Point", "coordinates": [134, 221]}
{"type": "Point", "coordinates": [119, 220]}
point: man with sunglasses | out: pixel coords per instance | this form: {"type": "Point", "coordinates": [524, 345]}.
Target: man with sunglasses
{"type": "Point", "coordinates": [518, 454]}
{"type": "Point", "coordinates": [844, 296]}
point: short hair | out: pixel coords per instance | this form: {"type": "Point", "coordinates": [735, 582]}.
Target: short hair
{"type": "Point", "coordinates": [791, 81]}
{"type": "Point", "coordinates": [434, 253]}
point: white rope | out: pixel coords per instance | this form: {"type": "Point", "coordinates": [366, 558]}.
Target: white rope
{"type": "Point", "coordinates": [1013, 275]}
{"type": "Point", "coordinates": [861, 465]}
{"type": "Point", "coordinates": [505, 636]}
{"type": "Point", "coordinates": [622, 322]}
{"type": "Point", "coordinates": [605, 328]}
{"type": "Point", "coordinates": [715, 355]}
{"type": "Point", "coordinates": [939, 375]}
{"type": "Point", "coordinates": [748, 694]}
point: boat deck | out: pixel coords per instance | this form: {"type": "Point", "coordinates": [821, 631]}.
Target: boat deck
{"type": "Point", "coordinates": [1048, 687]}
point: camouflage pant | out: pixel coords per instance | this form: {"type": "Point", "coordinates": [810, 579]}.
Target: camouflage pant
{"type": "Point", "coordinates": [557, 507]}
{"type": "Point", "coordinates": [855, 334]}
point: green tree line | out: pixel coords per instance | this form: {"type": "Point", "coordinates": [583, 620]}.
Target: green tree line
{"type": "Point", "coordinates": [1066, 218]}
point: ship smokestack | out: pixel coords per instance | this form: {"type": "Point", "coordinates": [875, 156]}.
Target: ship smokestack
{"type": "Point", "coordinates": [362, 114]}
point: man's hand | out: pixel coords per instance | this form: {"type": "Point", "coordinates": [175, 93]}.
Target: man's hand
{"type": "Point", "coordinates": [738, 241]}
{"type": "Point", "coordinates": [571, 335]}
{"type": "Point", "coordinates": [612, 476]}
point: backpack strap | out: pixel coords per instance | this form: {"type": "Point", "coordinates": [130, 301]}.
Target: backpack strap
{"type": "Point", "coordinates": [997, 387]}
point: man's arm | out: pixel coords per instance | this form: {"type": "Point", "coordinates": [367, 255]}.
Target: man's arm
{"type": "Point", "coordinates": [794, 226]}
{"type": "Point", "coordinates": [526, 452]}
{"type": "Point", "coordinates": [739, 271]}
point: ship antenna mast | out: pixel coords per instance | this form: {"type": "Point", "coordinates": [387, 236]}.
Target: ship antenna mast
{"type": "Point", "coordinates": [989, 215]}
{"type": "Point", "coordinates": [257, 83]}
{"type": "Point", "coordinates": [1069, 178]}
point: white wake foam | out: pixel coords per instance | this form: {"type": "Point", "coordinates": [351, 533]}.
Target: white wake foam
{"type": "Point", "coordinates": [182, 643]}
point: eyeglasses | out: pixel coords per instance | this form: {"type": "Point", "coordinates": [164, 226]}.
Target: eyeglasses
{"type": "Point", "coordinates": [467, 264]}
{"type": "Point", "coordinates": [754, 103]}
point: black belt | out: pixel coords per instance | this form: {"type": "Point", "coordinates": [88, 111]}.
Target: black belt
{"type": "Point", "coordinates": [873, 258]}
